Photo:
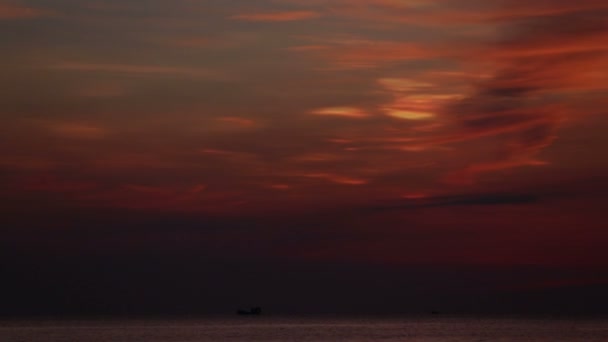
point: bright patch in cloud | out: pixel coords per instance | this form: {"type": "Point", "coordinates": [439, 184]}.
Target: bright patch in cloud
{"type": "Point", "coordinates": [409, 114]}
{"type": "Point", "coordinates": [350, 112]}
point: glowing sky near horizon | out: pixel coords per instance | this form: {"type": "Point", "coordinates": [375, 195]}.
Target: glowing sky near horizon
{"type": "Point", "coordinates": [246, 107]}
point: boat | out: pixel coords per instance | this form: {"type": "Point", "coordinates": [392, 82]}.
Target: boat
{"type": "Point", "coordinates": [253, 311]}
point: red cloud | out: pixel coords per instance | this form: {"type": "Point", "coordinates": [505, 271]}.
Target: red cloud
{"type": "Point", "coordinates": [13, 11]}
{"type": "Point", "coordinates": [445, 13]}
{"type": "Point", "coordinates": [278, 16]}
{"type": "Point", "coordinates": [348, 54]}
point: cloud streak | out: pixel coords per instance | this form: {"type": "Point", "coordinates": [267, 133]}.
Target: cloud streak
{"type": "Point", "coordinates": [489, 199]}
{"type": "Point", "coordinates": [143, 70]}
{"type": "Point", "coordinates": [277, 16]}
{"type": "Point", "coordinates": [10, 11]}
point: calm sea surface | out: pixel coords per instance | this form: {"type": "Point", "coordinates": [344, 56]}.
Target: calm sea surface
{"type": "Point", "coordinates": [268, 328]}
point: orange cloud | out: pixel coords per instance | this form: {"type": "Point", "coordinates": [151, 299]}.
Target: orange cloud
{"type": "Point", "coordinates": [338, 179]}
{"type": "Point", "coordinates": [14, 11]}
{"type": "Point", "coordinates": [316, 157]}
{"type": "Point", "coordinates": [282, 187]}
{"type": "Point", "coordinates": [448, 13]}
{"type": "Point", "coordinates": [353, 54]}
{"type": "Point", "coordinates": [348, 112]}
{"type": "Point", "coordinates": [278, 16]}
{"type": "Point", "coordinates": [403, 84]}
{"type": "Point", "coordinates": [408, 114]}
{"type": "Point", "coordinates": [77, 130]}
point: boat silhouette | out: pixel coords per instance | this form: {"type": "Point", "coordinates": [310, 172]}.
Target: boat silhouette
{"type": "Point", "coordinates": [253, 311]}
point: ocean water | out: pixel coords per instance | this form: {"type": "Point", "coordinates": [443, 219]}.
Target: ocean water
{"type": "Point", "coordinates": [267, 328]}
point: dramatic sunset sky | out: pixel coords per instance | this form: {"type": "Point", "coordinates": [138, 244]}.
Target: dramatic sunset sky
{"type": "Point", "coordinates": [170, 156]}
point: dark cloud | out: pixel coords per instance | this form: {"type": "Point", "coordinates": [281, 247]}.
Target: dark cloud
{"type": "Point", "coordinates": [461, 200]}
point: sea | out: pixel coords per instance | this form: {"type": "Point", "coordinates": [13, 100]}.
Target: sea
{"type": "Point", "coordinates": [431, 328]}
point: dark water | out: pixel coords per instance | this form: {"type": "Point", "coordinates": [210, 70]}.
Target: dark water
{"type": "Point", "coordinates": [267, 328]}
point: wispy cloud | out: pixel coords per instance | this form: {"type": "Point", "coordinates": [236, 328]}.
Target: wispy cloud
{"type": "Point", "coordinates": [77, 130]}
{"type": "Point", "coordinates": [487, 199]}
{"type": "Point", "coordinates": [338, 179]}
{"type": "Point", "coordinates": [135, 69]}
{"type": "Point", "coordinates": [363, 53]}
{"type": "Point", "coordinates": [445, 13]}
{"type": "Point", "coordinates": [277, 16]}
{"type": "Point", "coordinates": [13, 11]}
{"type": "Point", "coordinates": [347, 112]}
{"type": "Point", "coordinates": [542, 56]}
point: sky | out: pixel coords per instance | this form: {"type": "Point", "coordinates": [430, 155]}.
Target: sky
{"type": "Point", "coordinates": [303, 155]}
